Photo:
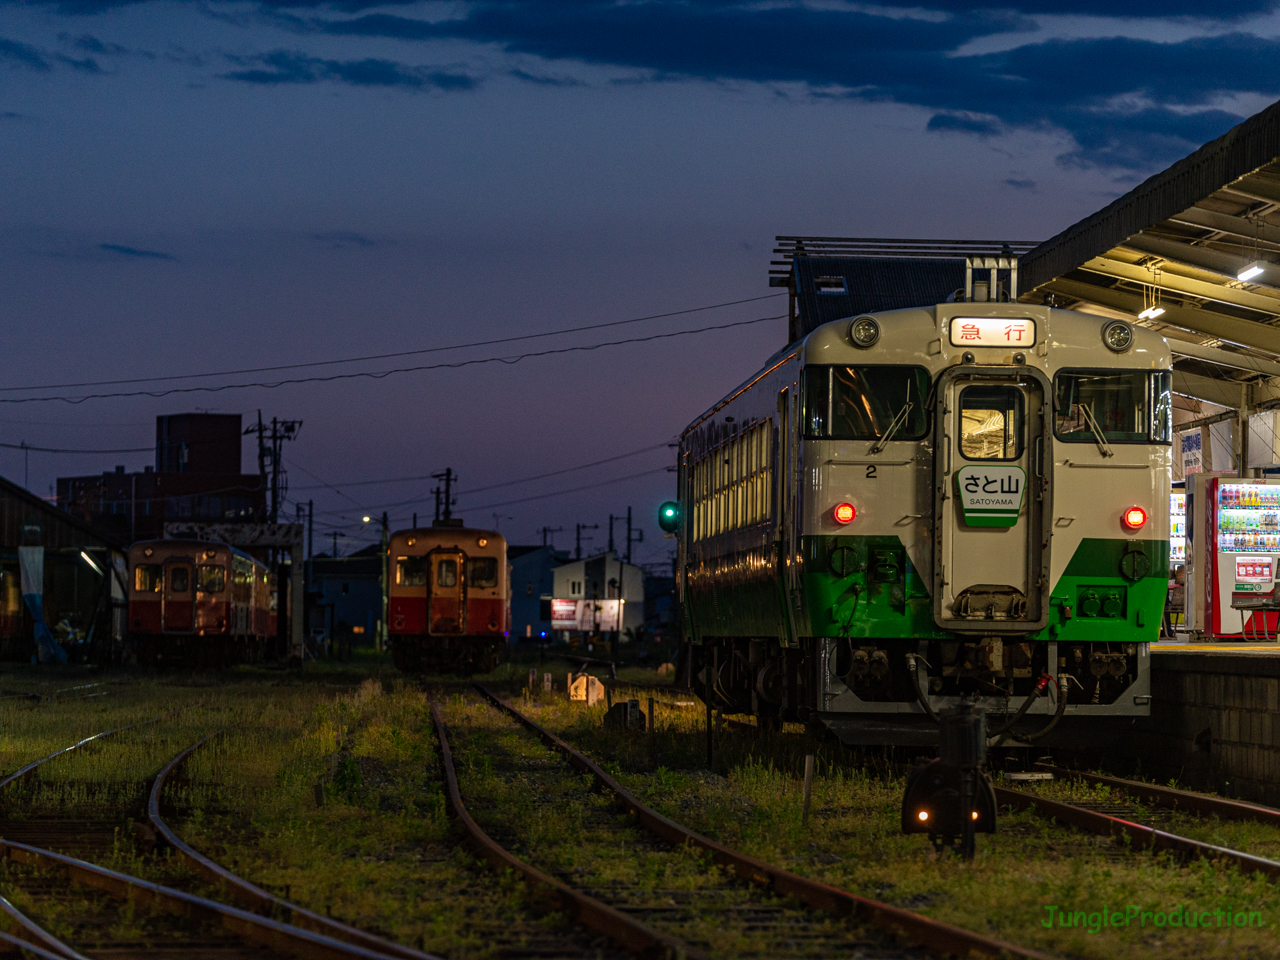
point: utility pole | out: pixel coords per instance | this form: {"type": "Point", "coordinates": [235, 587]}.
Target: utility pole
{"type": "Point", "coordinates": [444, 504]}
{"type": "Point", "coordinates": [577, 554]}
{"type": "Point", "coordinates": [386, 579]}
{"type": "Point", "coordinates": [270, 449]}
{"type": "Point", "coordinates": [336, 534]}
{"type": "Point", "coordinates": [611, 519]}
{"type": "Point", "coordinates": [547, 530]}
{"type": "Point", "coordinates": [637, 537]}
{"type": "Point", "coordinates": [415, 520]}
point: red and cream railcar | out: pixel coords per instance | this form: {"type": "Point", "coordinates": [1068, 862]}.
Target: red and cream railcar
{"type": "Point", "coordinates": [196, 602]}
{"type": "Point", "coordinates": [448, 599]}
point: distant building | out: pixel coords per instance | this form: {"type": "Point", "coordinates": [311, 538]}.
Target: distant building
{"type": "Point", "coordinates": [532, 585]}
{"type": "Point", "coordinates": [660, 610]}
{"type": "Point", "coordinates": [597, 579]}
{"type": "Point", "coordinates": [196, 477]}
{"type": "Point", "coordinates": [345, 595]}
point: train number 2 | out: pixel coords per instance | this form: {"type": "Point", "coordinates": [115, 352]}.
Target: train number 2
{"type": "Point", "coordinates": [871, 471]}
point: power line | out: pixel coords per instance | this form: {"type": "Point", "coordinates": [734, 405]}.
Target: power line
{"type": "Point", "coordinates": [27, 446]}
{"type": "Point", "coordinates": [494, 486]}
{"type": "Point", "coordinates": [383, 374]}
{"type": "Point", "coordinates": [507, 503]}
{"type": "Point", "coordinates": [385, 356]}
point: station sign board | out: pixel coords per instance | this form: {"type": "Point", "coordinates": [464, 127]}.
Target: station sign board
{"type": "Point", "coordinates": [991, 496]}
{"type": "Point", "coordinates": [993, 332]}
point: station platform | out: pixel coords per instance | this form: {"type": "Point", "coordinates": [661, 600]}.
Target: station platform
{"type": "Point", "coordinates": [1258, 648]}
{"type": "Point", "coordinates": [1215, 717]}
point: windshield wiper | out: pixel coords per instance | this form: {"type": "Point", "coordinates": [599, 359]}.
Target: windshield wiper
{"type": "Point", "coordinates": [894, 426]}
{"type": "Point", "coordinates": [1097, 432]}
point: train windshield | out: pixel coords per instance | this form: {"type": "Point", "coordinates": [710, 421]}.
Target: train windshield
{"type": "Point", "coordinates": [1127, 406]}
{"type": "Point", "coordinates": [447, 574]}
{"type": "Point", "coordinates": [211, 578]}
{"type": "Point", "coordinates": [148, 578]}
{"type": "Point", "coordinates": [861, 403]}
{"type": "Point", "coordinates": [482, 572]}
{"type": "Point", "coordinates": [991, 423]}
{"type": "Point", "coordinates": [411, 571]}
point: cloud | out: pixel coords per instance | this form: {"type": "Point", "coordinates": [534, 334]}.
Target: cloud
{"type": "Point", "coordinates": [956, 123]}
{"type": "Point", "coordinates": [1021, 184]}
{"type": "Point", "coordinates": [1127, 103]}
{"type": "Point", "coordinates": [135, 252]}
{"type": "Point", "coordinates": [284, 67]}
{"type": "Point", "coordinates": [22, 55]}
{"type": "Point", "coordinates": [345, 239]}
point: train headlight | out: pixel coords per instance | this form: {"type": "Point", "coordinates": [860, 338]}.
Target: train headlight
{"type": "Point", "coordinates": [864, 332]}
{"type": "Point", "coordinates": [1134, 518]}
{"type": "Point", "coordinates": [844, 513]}
{"type": "Point", "coordinates": [1117, 335]}
{"type": "Point", "coordinates": [923, 815]}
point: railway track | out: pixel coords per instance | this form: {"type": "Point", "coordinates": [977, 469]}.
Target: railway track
{"type": "Point", "coordinates": [117, 915]}
{"type": "Point", "coordinates": [1120, 820]}
{"type": "Point", "coordinates": [759, 909]}
{"type": "Point", "coordinates": [510, 934]}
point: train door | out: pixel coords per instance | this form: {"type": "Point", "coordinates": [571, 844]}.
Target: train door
{"type": "Point", "coordinates": [179, 604]}
{"type": "Point", "coordinates": [991, 569]}
{"type": "Point", "coordinates": [448, 603]}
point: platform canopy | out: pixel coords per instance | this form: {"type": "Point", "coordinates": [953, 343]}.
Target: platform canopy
{"type": "Point", "coordinates": [1193, 252]}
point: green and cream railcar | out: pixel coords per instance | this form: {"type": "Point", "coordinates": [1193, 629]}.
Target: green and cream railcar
{"type": "Point", "coordinates": [904, 509]}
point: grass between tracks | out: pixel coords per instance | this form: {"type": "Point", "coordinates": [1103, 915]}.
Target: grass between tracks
{"type": "Point", "coordinates": [853, 840]}
{"type": "Point", "coordinates": [380, 853]}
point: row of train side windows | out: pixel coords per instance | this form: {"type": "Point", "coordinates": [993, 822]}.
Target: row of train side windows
{"type": "Point", "coordinates": [732, 486]}
{"type": "Point", "coordinates": [481, 572]}
{"type": "Point", "coordinates": [149, 578]}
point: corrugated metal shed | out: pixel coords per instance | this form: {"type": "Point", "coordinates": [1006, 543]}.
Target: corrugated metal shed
{"type": "Point", "coordinates": [828, 288]}
{"type": "Point", "coordinates": [59, 530]}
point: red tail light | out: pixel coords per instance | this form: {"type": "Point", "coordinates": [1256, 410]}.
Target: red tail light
{"type": "Point", "coordinates": [1135, 517]}
{"type": "Point", "coordinates": [844, 513]}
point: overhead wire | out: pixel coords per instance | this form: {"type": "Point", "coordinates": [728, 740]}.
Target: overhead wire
{"type": "Point", "coordinates": [493, 486]}
{"type": "Point", "coordinates": [382, 374]}
{"type": "Point", "coordinates": [388, 356]}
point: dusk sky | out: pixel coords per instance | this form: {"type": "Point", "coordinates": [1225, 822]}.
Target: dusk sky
{"type": "Point", "coordinates": [201, 187]}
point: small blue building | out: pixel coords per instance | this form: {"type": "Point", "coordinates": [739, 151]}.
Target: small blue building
{"type": "Point", "coordinates": [531, 583]}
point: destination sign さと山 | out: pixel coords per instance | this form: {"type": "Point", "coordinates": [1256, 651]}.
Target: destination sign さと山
{"type": "Point", "coordinates": [993, 332]}
{"type": "Point", "coordinates": [991, 496]}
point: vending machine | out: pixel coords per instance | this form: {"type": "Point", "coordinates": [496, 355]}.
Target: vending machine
{"type": "Point", "coordinates": [1177, 530]}
{"type": "Point", "coordinates": [1234, 557]}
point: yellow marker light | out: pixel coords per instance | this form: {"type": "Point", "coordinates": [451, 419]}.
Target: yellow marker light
{"type": "Point", "coordinates": [975, 814]}
{"type": "Point", "coordinates": [365, 519]}
{"type": "Point", "coordinates": [483, 542]}
{"type": "Point", "coordinates": [923, 814]}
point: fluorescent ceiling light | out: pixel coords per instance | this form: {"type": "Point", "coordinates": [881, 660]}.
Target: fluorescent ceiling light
{"type": "Point", "coordinates": [1251, 271]}
{"type": "Point", "coordinates": [1150, 313]}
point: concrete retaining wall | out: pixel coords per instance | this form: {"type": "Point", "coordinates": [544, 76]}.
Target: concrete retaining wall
{"type": "Point", "coordinates": [1215, 721]}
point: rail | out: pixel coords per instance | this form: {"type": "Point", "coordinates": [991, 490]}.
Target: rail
{"type": "Point", "coordinates": [263, 931]}
{"type": "Point", "coordinates": [253, 897]}
{"type": "Point", "coordinates": [274, 935]}
{"type": "Point", "coordinates": [1200, 803]}
{"type": "Point", "coordinates": [932, 934]}
{"type": "Point", "coordinates": [1140, 837]}
{"type": "Point", "coordinates": [628, 933]}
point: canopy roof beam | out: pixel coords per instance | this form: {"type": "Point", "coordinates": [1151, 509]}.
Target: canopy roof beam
{"type": "Point", "coordinates": [1247, 333]}
{"type": "Point", "coordinates": [1189, 286]}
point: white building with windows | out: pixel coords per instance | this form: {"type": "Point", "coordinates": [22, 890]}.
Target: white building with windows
{"type": "Point", "coordinates": [598, 578]}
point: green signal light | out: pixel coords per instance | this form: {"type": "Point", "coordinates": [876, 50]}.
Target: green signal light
{"type": "Point", "coordinates": [669, 516]}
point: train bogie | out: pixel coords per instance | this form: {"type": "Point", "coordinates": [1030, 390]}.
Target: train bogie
{"type": "Point", "coordinates": [970, 501]}
{"type": "Point", "coordinates": [448, 599]}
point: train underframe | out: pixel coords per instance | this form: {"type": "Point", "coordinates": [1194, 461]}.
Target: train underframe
{"type": "Point", "coordinates": [889, 692]}
{"type": "Point", "coordinates": [427, 653]}
{"type": "Point", "coordinates": [193, 650]}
